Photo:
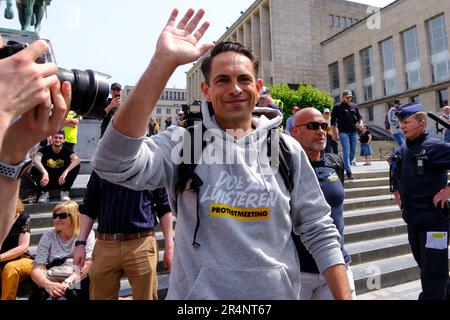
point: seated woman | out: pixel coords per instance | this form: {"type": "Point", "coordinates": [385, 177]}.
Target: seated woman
{"type": "Point", "coordinates": [58, 245]}
{"type": "Point", "coordinates": [15, 260]}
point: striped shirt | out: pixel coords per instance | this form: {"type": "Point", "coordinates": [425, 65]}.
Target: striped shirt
{"type": "Point", "coordinates": [120, 209]}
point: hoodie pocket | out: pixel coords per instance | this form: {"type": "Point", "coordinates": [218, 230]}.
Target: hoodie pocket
{"type": "Point", "coordinates": [242, 284]}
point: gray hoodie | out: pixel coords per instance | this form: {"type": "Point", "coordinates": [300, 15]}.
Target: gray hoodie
{"type": "Point", "coordinates": [246, 214]}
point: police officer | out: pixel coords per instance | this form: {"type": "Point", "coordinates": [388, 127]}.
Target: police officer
{"type": "Point", "coordinates": [419, 182]}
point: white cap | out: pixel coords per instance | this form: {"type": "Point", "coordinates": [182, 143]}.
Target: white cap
{"type": "Point", "coordinates": [326, 110]}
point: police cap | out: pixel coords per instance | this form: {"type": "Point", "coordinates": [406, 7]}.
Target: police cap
{"type": "Point", "coordinates": [407, 110]}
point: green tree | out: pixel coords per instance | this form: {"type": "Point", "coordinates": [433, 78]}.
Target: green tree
{"type": "Point", "coordinates": [304, 96]}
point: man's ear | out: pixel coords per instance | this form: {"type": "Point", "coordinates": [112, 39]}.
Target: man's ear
{"type": "Point", "coordinates": [205, 91]}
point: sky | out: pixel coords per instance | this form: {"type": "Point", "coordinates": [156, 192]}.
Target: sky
{"type": "Point", "coordinates": [119, 37]}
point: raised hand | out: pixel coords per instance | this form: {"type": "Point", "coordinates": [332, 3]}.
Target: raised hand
{"type": "Point", "coordinates": [181, 42]}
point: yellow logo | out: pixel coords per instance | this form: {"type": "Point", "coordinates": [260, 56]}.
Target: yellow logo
{"type": "Point", "coordinates": [242, 214]}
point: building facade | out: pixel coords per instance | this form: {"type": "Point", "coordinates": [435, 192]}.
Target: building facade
{"type": "Point", "coordinates": [169, 104]}
{"type": "Point", "coordinates": [286, 36]}
{"type": "Point", "coordinates": [398, 52]}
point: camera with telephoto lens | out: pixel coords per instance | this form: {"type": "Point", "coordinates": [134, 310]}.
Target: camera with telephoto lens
{"type": "Point", "coordinates": [192, 113]}
{"type": "Point", "coordinates": [90, 88]}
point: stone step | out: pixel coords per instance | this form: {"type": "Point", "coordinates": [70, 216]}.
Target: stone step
{"type": "Point", "coordinates": [366, 182]}
{"type": "Point", "coordinates": [376, 249]}
{"type": "Point", "coordinates": [374, 214]}
{"type": "Point", "coordinates": [374, 230]}
{"type": "Point", "coordinates": [369, 175]}
{"type": "Point", "coordinates": [367, 192]}
{"type": "Point", "coordinates": [385, 273]}
{"type": "Point", "coordinates": [47, 207]}
{"type": "Point", "coordinates": [368, 202]}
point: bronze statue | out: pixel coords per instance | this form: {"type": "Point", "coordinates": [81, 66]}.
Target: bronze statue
{"type": "Point", "coordinates": [30, 13]}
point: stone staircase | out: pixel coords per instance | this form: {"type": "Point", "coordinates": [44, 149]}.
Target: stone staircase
{"type": "Point", "coordinates": [375, 235]}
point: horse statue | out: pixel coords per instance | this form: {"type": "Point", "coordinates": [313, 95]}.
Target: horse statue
{"type": "Point", "coordinates": [30, 13]}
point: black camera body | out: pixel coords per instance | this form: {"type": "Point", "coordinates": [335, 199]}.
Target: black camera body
{"type": "Point", "coordinates": [90, 89]}
{"type": "Point", "coordinates": [193, 113]}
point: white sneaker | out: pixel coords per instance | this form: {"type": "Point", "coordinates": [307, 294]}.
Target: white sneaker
{"type": "Point", "coordinates": [64, 195]}
{"type": "Point", "coordinates": [43, 198]}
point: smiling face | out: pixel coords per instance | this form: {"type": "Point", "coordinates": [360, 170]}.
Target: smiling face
{"type": "Point", "coordinates": [60, 223]}
{"type": "Point", "coordinates": [232, 89]}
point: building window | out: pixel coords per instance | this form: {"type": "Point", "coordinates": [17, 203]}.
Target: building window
{"type": "Point", "coordinates": [333, 73]}
{"type": "Point", "coordinates": [412, 58]}
{"type": "Point", "coordinates": [330, 20]}
{"type": "Point", "coordinates": [367, 73]}
{"type": "Point", "coordinates": [443, 98]}
{"type": "Point", "coordinates": [168, 111]}
{"type": "Point", "coordinates": [388, 63]}
{"type": "Point", "coordinates": [437, 40]}
{"type": "Point", "coordinates": [337, 21]}
{"type": "Point", "coordinates": [349, 22]}
{"type": "Point", "coordinates": [370, 113]}
{"type": "Point", "coordinates": [414, 99]}
{"type": "Point", "coordinates": [158, 110]}
{"type": "Point", "coordinates": [166, 95]}
{"type": "Point", "coordinates": [349, 68]}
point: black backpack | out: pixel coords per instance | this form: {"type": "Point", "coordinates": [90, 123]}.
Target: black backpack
{"type": "Point", "coordinates": [186, 170]}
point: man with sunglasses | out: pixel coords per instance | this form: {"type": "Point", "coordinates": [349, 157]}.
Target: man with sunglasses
{"type": "Point", "coordinates": [310, 128]}
{"type": "Point", "coordinates": [345, 120]}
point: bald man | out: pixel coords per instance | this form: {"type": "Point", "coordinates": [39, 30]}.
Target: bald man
{"type": "Point", "coordinates": [309, 129]}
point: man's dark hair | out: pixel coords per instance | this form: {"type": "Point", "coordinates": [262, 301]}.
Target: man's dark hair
{"type": "Point", "coordinates": [225, 47]}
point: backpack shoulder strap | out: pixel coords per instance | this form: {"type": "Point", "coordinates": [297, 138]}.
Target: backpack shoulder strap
{"type": "Point", "coordinates": [284, 158]}
{"type": "Point", "coordinates": [186, 170]}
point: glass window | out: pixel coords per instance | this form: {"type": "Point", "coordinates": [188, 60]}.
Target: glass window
{"type": "Point", "coordinates": [410, 45]}
{"type": "Point", "coordinates": [330, 20]}
{"type": "Point", "coordinates": [349, 68]}
{"type": "Point", "coordinates": [437, 41]}
{"type": "Point", "coordinates": [366, 62]}
{"type": "Point", "coordinates": [415, 99]}
{"type": "Point", "coordinates": [337, 21]}
{"type": "Point", "coordinates": [437, 34]}
{"type": "Point", "coordinates": [158, 110]}
{"type": "Point", "coordinates": [166, 95]}
{"type": "Point", "coordinates": [388, 64]}
{"type": "Point", "coordinates": [168, 111]}
{"type": "Point", "coordinates": [370, 113]}
{"type": "Point", "coordinates": [334, 75]}
{"type": "Point", "coordinates": [387, 53]}
{"type": "Point", "coordinates": [349, 22]}
{"type": "Point", "coordinates": [443, 98]}
{"type": "Point", "coordinates": [412, 59]}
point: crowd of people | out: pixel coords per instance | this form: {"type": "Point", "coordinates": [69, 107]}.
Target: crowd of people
{"type": "Point", "coordinates": [245, 230]}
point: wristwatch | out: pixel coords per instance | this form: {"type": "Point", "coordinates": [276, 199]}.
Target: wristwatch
{"type": "Point", "coordinates": [14, 171]}
{"type": "Point", "coordinates": [80, 243]}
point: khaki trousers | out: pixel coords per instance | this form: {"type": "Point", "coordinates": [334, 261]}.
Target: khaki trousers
{"type": "Point", "coordinates": [136, 259]}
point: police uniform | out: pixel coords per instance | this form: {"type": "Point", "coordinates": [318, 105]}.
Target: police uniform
{"type": "Point", "coordinates": [419, 171]}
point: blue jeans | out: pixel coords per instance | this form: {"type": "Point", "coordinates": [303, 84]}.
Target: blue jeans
{"type": "Point", "coordinates": [399, 138]}
{"type": "Point", "coordinates": [348, 142]}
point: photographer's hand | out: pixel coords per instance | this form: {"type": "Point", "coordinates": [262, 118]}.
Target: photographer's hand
{"type": "Point", "coordinates": [24, 83]}
{"type": "Point", "coordinates": [32, 127]}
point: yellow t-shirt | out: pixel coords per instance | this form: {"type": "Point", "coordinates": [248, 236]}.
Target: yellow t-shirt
{"type": "Point", "coordinates": [69, 132]}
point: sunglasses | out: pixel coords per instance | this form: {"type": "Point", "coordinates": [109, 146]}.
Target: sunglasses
{"type": "Point", "coordinates": [61, 216]}
{"type": "Point", "coordinates": [315, 125]}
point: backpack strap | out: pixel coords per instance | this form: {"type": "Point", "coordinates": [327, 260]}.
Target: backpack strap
{"type": "Point", "coordinates": [338, 164]}
{"type": "Point", "coordinates": [284, 159]}
{"type": "Point", "coordinates": [186, 171]}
